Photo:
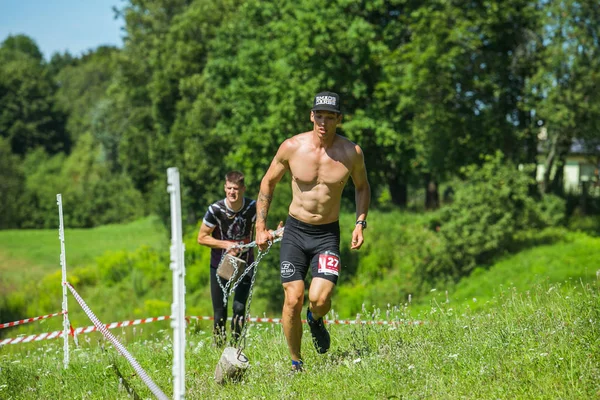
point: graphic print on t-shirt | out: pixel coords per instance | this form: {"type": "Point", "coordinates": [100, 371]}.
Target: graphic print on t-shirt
{"type": "Point", "coordinates": [231, 225]}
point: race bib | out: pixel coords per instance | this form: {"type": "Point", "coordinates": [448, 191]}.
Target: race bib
{"type": "Point", "coordinates": [329, 264]}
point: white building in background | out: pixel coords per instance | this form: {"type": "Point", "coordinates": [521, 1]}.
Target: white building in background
{"type": "Point", "coordinates": [581, 168]}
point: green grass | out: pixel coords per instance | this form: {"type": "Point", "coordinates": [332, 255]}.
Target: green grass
{"type": "Point", "coordinates": [539, 344]}
{"type": "Point", "coordinates": [574, 260]}
{"type": "Point", "coordinates": [33, 253]}
{"type": "Point", "coordinates": [527, 327]}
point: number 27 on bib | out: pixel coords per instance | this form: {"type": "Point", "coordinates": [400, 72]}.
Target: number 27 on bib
{"type": "Point", "coordinates": [329, 264]}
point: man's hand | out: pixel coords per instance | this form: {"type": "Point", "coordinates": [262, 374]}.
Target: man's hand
{"type": "Point", "coordinates": [279, 231]}
{"type": "Point", "coordinates": [263, 237]}
{"type": "Point", "coordinates": [231, 249]}
{"type": "Point", "coordinates": [357, 238]}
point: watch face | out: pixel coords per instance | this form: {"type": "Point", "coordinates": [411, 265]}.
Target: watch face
{"type": "Point", "coordinates": [363, 223]}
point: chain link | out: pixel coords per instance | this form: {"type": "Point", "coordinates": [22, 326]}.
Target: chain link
{"type": "Point", "coordinates": [229, 288]}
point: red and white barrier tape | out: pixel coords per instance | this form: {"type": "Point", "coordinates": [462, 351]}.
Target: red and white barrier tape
{"type": "Point", "coordinates": [122, 324]}
{"type": "Point", "coordinates": [107, 334]}
{"type": "Point", "coordinates": [327, 321]}
{"type": "Point", "coordinates": [28, 320]}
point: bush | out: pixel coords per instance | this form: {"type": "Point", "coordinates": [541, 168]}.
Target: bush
{"type": "Point", "coordinates": [588, 224]}
{"type": "Point", "coordinates": [114, 267]}
{"type": "Point", "coordinates": [92, 194]}
{"type": "Point", "coordinates": [491, 205]}
{"type": "Point", "coordinates": [11, 186]}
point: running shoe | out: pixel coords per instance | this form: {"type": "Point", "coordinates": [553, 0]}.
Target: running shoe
{"type": "Point", "coordinates": [319, 333]}
{"type": "Point", "coordinates": [297, 367]}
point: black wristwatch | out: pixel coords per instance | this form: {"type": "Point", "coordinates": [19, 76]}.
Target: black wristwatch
{"type": "Point", "coordinates": [363, 223]}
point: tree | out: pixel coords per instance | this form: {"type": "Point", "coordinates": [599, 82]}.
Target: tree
{"type": "Point", "coordinates": [563, 90]}
{"type": "Point", "coordinates": [82, 84]}
{"type": "Point", "coordinates": [23, 44]}
{"type": "Point", "coordinates": [451, 91]}
{"type": "Point", "coordinates": [28, 116]}
{"type": "Point", "coordinates": [11, 187]}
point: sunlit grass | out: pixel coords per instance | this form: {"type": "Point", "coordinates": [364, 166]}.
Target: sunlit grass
{"type": "Point", "coordinates": [33, 253]}
{"type": "Point", "coordinates": [542, 343]}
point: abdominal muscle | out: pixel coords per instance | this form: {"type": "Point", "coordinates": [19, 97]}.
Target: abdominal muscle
{"type": "Point", "coordinates": [318, 205]}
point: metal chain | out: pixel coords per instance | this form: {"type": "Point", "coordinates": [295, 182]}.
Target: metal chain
{"type": "Point", "coordinates": [242, 338]}
{"type": "Point", "coordinates": [227, 291]}
{"type": "Point", "coordinates": [228, 288]}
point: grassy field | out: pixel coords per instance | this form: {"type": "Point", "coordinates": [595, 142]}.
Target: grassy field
{"type": "Point", "coordinates": [31, 254]}
{"type": "Point", "coordinates": [538, 344]}
{"type": "Point", "coordinates": [526, 327]}
{"type": "Point", "coordinates": [575, 260]}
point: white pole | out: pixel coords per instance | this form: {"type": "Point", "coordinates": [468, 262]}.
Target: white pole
{"type": "Point", "coordinates": [63, 264]}
{"type": "Point", "coordinates": [178, 267]}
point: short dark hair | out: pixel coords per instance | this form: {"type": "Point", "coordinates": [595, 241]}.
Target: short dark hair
{"type": "Point", "coordinates": [235, 177]}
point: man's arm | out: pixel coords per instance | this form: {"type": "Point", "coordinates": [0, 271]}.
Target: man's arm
{"type": "Point", "coordinates": [267, 187]}
{"type": "Point", "coordinates": [205, 238]}
{"type": "Point", "coordinates": [362, 191]}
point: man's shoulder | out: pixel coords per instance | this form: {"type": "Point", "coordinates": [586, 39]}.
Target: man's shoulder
{"type": "Point", "coordinates": [218, 205]}
{"type": "Point", "coordinates": [348, 145]}
{"type": "Point", "coordinates": [344, 141]}
{"type": "Point", "coordinates": [290, 145]}
{"type": "Point", "coordinates": [297, 139]}
{"type": "Point", "coordinates": [249, 203]}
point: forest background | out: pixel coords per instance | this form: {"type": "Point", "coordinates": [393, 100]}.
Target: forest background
{"type": "Point", "coordinates": [444, 97]}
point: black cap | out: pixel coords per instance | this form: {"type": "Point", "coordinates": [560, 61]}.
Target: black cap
{"type": "Point", "coordinates": [327, 101]}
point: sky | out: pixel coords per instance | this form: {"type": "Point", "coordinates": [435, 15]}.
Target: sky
{"type": "Point", "coordinates": [62, 25]}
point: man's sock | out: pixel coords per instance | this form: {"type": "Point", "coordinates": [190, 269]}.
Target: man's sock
{"type": "Point", "coordinates": [309, 316]}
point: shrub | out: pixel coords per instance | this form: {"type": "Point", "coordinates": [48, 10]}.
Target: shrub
{"type": "Point", "coordinates": [491, 205]}
{"type": "Point", "coordinates": [588, 224]}
{"type": "Point", "coordinates": [11, 186]}
{"type": "Point", "coordinates": [92, 194]}
{"type": "Point", "coordinates": [114, 266]}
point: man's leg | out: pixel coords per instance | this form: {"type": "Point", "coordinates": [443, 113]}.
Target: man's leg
{"type": "Point", "coordinates": [219, 309]}
{"type": "Point", "coordinates": [239, 308]}
{"type": "Point", "coordinates": [291, 317]}
{"type": "Point", "coordinates": [319, 295]}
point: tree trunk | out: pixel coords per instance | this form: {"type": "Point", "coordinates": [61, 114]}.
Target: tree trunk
{"type": "Point", "coordinates": [398, 192]}
{"type": "Point", "coordinates": [432, 195]}
{"type": "Point", "coordinates": [548, 164]}
{"type": "Point", "coordinates": [557, 186]}
{"type": "Point", "coordinates": [583, 197]}
{"type": "Point", "coordinates": [563, 147]}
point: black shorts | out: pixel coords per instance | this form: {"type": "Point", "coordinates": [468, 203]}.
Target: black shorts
{"type": "Point", "coordinates": [315, 245]}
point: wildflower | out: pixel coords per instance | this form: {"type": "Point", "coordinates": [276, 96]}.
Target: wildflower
{"type": "Point", "coordinates": [411, 367]}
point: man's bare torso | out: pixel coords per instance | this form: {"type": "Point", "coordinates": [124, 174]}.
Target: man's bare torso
{"type": "Point", "coordinates": [319, 175]}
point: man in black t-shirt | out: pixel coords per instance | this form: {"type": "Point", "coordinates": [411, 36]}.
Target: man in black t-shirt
{"type": "Point", "coordinates": [229, 222]}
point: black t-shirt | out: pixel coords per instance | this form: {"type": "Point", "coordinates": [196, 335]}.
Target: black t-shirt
{"type": "Point", "coordinates": [231, 225]}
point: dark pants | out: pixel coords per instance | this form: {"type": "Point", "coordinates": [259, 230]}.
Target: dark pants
{"type": "Point", "coordinates": [220, 309]}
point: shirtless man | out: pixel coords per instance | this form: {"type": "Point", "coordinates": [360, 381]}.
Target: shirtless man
{"type": "Point", "coordinates": [320, 162]}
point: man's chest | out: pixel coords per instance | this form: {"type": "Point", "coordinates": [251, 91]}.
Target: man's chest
{"type": "Point", "coordinates": [312, 169]}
